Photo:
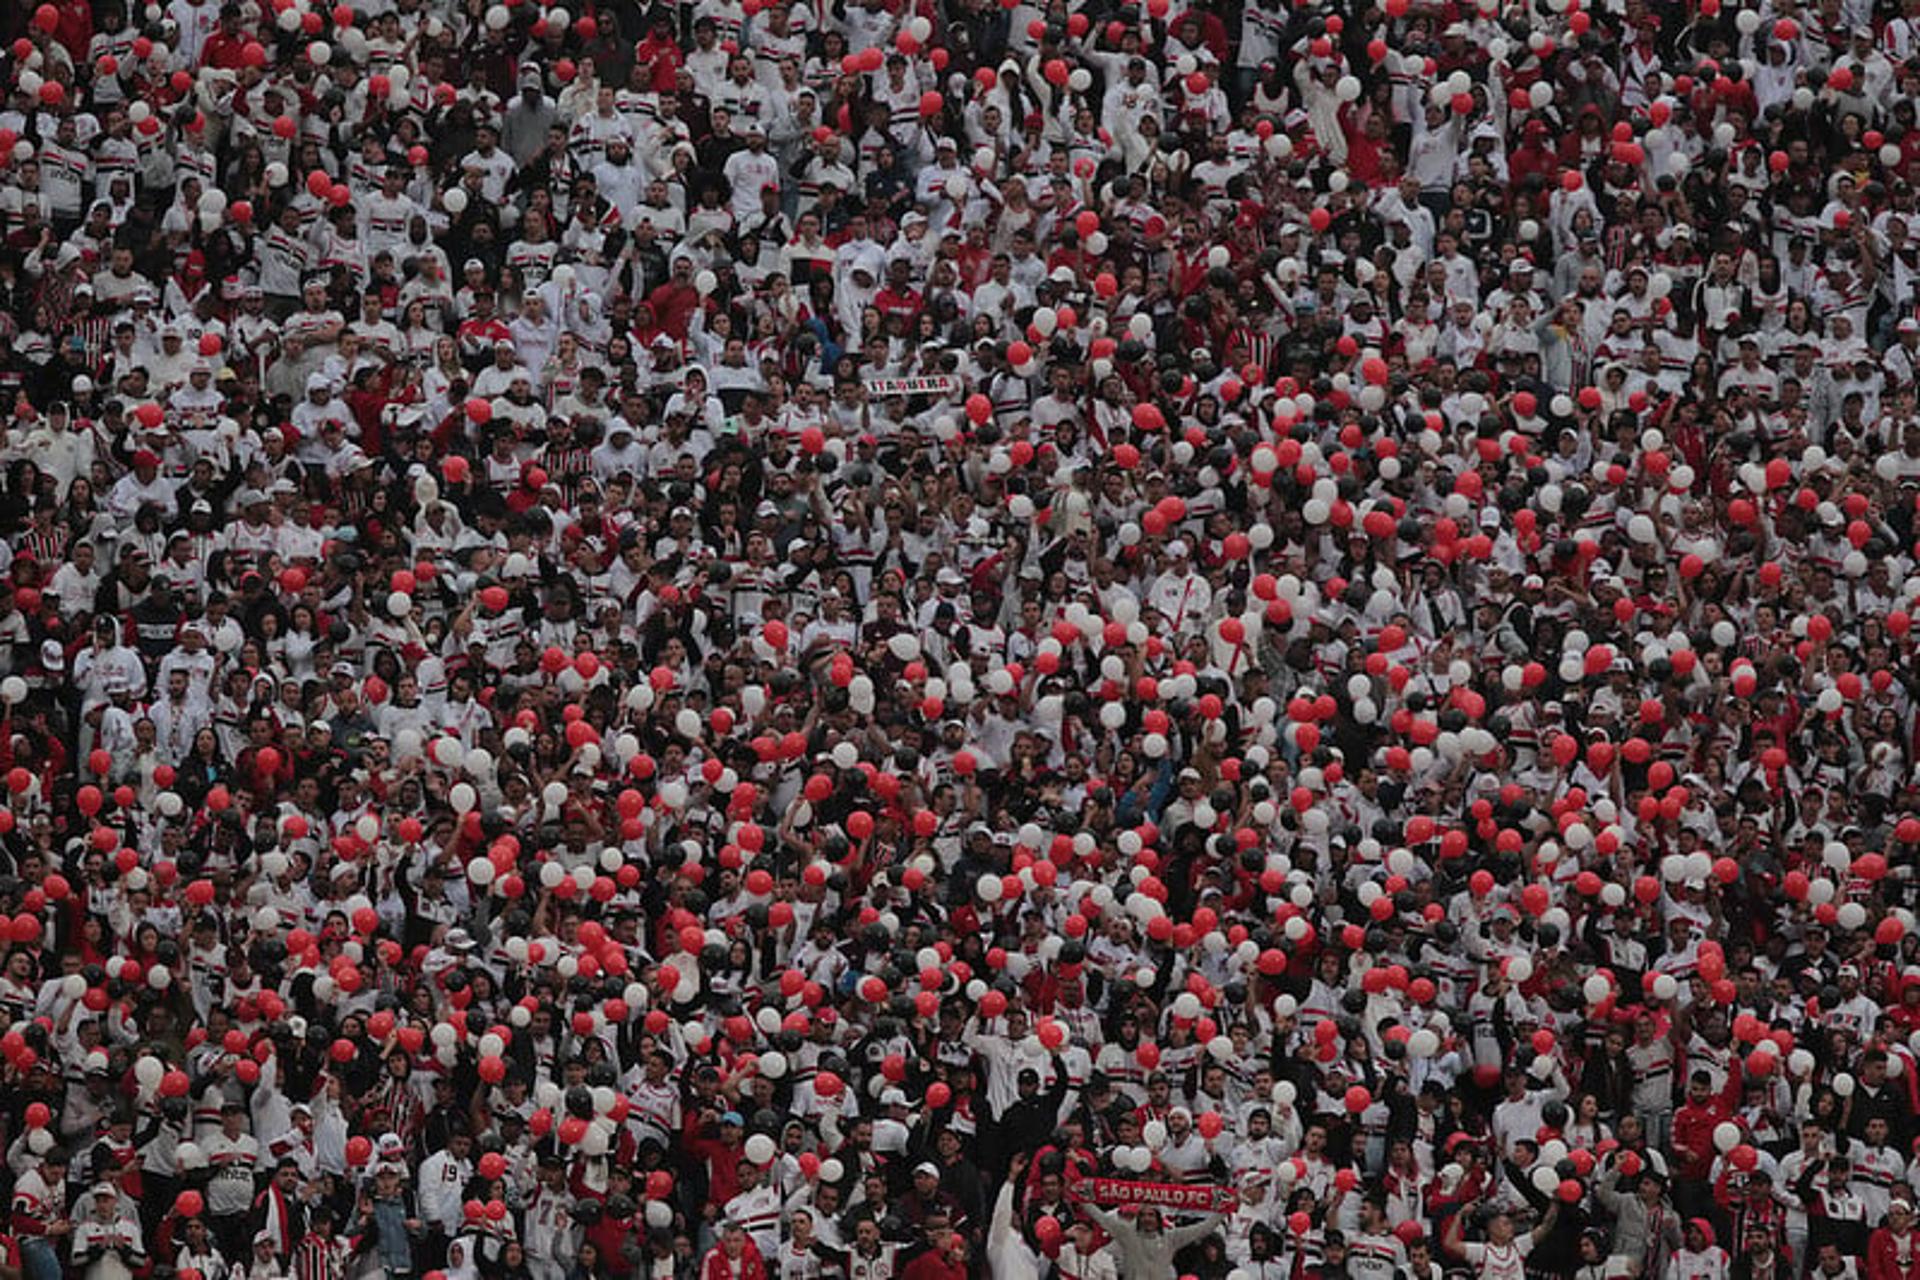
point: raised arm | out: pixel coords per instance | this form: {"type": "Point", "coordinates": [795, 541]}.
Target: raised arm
{"type": "Point", "coordinates": [1450, 1239]}
{"type": "Point", "coordinates": [1180, 1237]}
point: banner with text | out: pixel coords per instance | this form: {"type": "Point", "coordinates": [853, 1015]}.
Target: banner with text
{"type": "Point", "coordinates": [936, 384]}
{"type": "Point", "coordinates": [1198, 1198]}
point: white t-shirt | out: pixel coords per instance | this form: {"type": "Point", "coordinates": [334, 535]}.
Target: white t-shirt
{"type": "Point", "coordinates": [1500, 1262]}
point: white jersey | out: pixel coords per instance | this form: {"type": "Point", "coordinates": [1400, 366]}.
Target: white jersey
{"type": "Point", "coordinates": [1500, 1261]}
{"type": "Point", "coordinates": [1708, 1264]}
{"type": "Point", "coordinates": [234, 1161]}
{"type": "Point", "coordinates": [1375, 1257]}
{"type": "Point", "coordinates": [758, 1213]}
{"type": "Point", "coordinates": [114, 1248]}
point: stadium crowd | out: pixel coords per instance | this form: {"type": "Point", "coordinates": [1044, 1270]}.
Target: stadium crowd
{"type": "Point", "coordinates": [748, 640]}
